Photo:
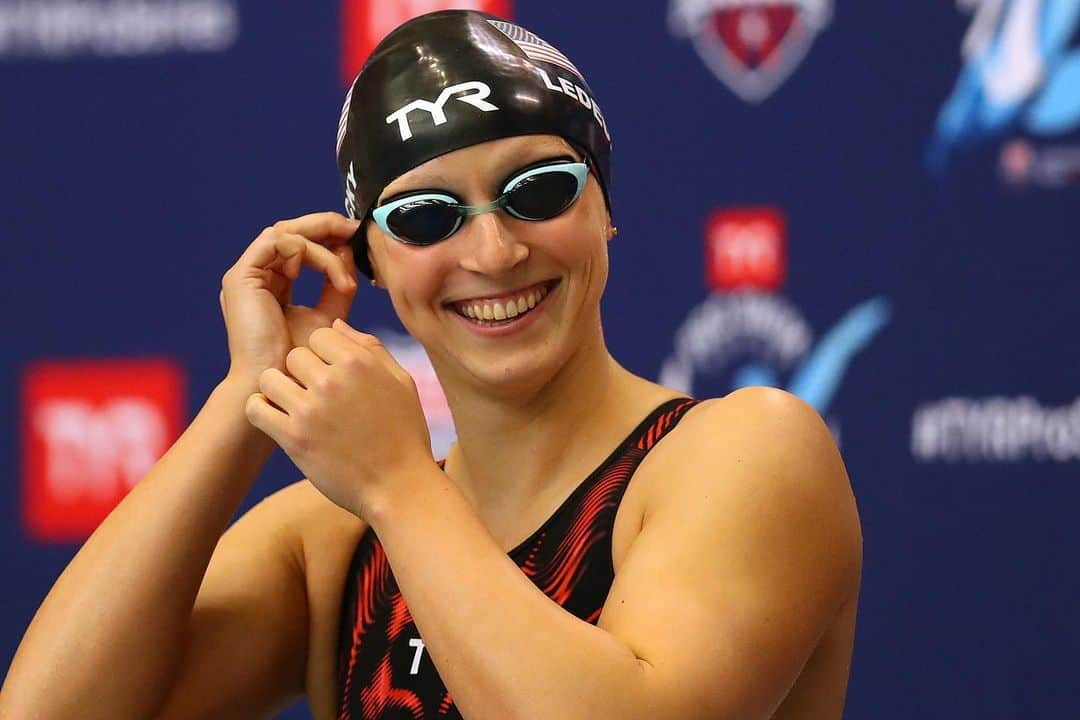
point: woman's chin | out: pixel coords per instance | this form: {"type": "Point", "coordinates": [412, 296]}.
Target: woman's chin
{"type": "Point", "coordinates": [513, 374]}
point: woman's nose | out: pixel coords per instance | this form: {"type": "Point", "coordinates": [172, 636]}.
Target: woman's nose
{"type": "Point", "coordinates": [490, 246]}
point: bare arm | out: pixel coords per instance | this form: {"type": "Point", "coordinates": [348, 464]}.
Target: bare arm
{"type": "Point", "coordinates": [121, 634]}
{"type": "Point", "coordinates": [745, 558]}
{"type": "Point", "coordinates": [110, 635]}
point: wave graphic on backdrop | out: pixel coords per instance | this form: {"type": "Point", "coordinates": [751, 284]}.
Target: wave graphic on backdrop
{"type": "Point", "coordinates": [1021, 72]}
{"type": "Point", "coordinates": [744, 339]}
{"type": "Point", "coordinates": [818, 376]}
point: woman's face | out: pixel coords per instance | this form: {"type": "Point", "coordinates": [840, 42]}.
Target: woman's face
{"type": "Point", "coordinates": [559, 265]}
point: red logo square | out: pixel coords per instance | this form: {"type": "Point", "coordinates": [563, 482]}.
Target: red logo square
{"type": "Point", "coordinates": [90, 431]}
{"type": "Point", "coordinates": [746, 249]}
{"type": "Point", "coordinates": [366, 22]}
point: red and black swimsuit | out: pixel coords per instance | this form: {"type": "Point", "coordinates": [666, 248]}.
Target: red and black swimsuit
{"type": "Point", "coordinates": [384, 672]}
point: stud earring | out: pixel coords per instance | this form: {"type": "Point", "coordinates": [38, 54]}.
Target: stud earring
{"type": "Point", "coordinates": [614, 231]}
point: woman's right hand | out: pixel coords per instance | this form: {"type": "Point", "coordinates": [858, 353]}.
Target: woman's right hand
{"type": "Point", "coordinates": [256, 292]}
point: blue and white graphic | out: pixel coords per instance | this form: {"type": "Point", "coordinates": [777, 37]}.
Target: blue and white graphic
{"type": "Point", "coordinates": [1021, 73]}
{"type": "Point", "coordinates": [735, 340]}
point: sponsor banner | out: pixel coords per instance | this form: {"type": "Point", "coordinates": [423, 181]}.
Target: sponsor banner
{"type": "Point", "coordinates": [366, 22]}
{"type": "Point", "coordinates": [63, 29]}
{"type": "Point", "coordinates": [413, 358]}
{"type": "Point", "coordinates": [745, 333]}
{"type": "Point", "coordinates": [1020, 83]}
{"type": "Point", "coordinates": [752, 46]}
{"type": "Point", "coordinates": [745, 249]}
{"type": "Point", "coordinates": [995, 430]}
{"type": "Point", "coordinates": [91, 430]}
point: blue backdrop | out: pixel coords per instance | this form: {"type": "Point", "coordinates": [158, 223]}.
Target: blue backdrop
{"type": "Point", "coordinates": [923, 160]}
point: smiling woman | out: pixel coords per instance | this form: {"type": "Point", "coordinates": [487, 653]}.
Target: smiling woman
{"type": "Point", "coordinates": [595, 545]}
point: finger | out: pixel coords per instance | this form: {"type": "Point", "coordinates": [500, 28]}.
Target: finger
{"type": "Point", "coordinates": [332, 347]}
{"type": "Point", "coordinates": [335, 303]}
{"type": "Point", "coordinates": [305, 365]}
{"type": "Point", "coordinates": [262, 415]}
{"type": "Point", "coordinates": [275, 251]}
{"type": "Point", "coordinates": [341, 276]}
{"type": "Point", "coordinates": [370, 343]}
{"type": "Point", "coordinates": [329, 228]}
{"type": "Point", "coordinates": [281, 390]}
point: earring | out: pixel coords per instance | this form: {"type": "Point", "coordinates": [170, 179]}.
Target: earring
{"type": "Point", "coordinates": [614, 231]}
{"type": "Point", "coordinates": [374, 283]}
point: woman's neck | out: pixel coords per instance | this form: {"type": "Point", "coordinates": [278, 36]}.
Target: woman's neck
{"type": "Point", "coordinates": [519, 447]}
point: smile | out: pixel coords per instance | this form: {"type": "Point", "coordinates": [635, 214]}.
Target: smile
{"type": "Point", "coordinates": [505, 308]}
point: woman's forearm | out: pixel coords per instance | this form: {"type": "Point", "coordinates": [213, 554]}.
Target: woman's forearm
{"type": "Point", "coordinates": [107, 639]}
{"type": "Point", "coordinates": [503, 648]}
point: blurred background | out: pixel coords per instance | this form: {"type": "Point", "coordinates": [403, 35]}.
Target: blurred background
{"type": "Point", "coordinates": [871, 204]}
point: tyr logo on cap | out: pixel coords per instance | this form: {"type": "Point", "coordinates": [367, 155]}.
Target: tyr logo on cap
{"type": "Point", "coordinates": [479, 91]}
{"type": "Point", "coordinates": [751, 45]}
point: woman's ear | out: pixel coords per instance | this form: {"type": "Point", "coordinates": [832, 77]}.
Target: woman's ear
{"type": "Point", "coordinates": [374, 272]}
{"type": "Point", "coordinates": [376, 276]}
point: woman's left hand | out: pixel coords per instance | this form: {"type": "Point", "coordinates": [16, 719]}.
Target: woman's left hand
{"type": "Point", "coordinates": [349, 416]}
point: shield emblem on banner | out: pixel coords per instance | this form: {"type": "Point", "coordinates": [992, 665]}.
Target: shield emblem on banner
{"type": "Point", "coordinates": [752, 46]}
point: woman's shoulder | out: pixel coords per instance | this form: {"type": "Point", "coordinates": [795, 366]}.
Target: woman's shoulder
{"type": "Point", "coordinates": [753, 420]}
{"type": "Point", "coordinates": [752, 441]}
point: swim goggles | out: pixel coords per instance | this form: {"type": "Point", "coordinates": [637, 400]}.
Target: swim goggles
{"type": "Point", "coordinates": [534, 193]}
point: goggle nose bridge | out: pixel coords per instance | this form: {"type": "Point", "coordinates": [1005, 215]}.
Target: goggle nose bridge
{"type": "Point", "coordinates": [496, 204]}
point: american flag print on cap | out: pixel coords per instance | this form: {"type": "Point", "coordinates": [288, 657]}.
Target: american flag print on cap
{"type": "Point", "coordinates": [534, 47]}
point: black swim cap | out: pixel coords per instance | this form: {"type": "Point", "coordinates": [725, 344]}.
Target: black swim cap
{"type": "Point", "coordinates": [451, 79]}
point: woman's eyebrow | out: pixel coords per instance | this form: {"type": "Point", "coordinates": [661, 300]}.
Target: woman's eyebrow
{"type": "Point", "coordinates": [553, 155]}
{"type": "Point", "coordinates": [420, 182]}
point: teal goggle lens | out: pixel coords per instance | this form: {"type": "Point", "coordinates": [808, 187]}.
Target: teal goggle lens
{"type": "Point", "coordinates": [425, 218]}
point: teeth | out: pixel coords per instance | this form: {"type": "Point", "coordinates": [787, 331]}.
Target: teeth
{"type": "Point", "coordinates": [499, 311]}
